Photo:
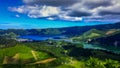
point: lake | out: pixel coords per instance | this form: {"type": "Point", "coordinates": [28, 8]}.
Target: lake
{"type": "Point", "coordinates": [62, 37]}
{"type": "Point", "coordinates": [42, 37]}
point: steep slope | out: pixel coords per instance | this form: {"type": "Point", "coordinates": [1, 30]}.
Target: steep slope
{"type": "Point", "coordinates": [94, 34]}
{"type": "Point", "coordinates": [112, 40]}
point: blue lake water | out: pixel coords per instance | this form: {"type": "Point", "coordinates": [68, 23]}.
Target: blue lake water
{"type": "Point", "coordinates": [42, 38]}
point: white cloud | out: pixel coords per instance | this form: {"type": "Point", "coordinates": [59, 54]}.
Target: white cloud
{"type": "Point", "coordinates": [68, 18]}
{"type": "Point", "coordinates": [51, 18]}
{"type": "Point", "coordinates": [74, 10]}
{"type": "Point", "coordinates": [17, 15]}
{"type": "Point", "coordinates": [37, 11]}
{"type": "Point", "coordinates": [50, 12]}
{"type": "Point", "coordinates": [20, 9]}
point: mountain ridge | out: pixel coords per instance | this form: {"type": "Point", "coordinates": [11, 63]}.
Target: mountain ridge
{"type": "Point", "coordinates": [68, 31]}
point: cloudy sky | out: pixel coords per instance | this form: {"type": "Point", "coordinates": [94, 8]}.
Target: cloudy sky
{"type": "Point", "coordinates": [60, 13]}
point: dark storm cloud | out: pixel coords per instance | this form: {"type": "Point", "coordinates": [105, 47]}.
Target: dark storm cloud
{"type": "Point", "coordinates": [79, 13]}
{"type": "Point", "coordinates": [96, 3]}
{"type": "Point", "coordinates": [108, 13]}
{"type": "Point", "coordinates": [51, 2]}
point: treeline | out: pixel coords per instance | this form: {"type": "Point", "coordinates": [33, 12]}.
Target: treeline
{"type": "Point", "coordinates": [31, 31]}
{"type": "Point", "coordinates": [5, 42]}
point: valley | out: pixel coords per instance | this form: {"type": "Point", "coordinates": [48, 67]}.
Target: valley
{"type": "Point", "coordinates": [86, 47]}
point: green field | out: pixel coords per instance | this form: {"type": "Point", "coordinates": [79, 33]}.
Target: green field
{"type": "Point", "coordinates": [21, 53]}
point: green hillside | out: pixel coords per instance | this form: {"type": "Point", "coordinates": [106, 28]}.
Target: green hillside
{"type": "Point", "coordinates": [91, 34]}
{"type": "Point", "coordinates": [39, 56]}
{"type": "Point", "coordinates": [22, 54]}
{"type": "Point", "coordinates": [94, 33]}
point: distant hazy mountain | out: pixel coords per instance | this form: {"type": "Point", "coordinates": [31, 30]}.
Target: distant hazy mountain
{"type": "Point", "coordinates": [80, 30]}
{"type": "Point", "coordinates": [69, 31]}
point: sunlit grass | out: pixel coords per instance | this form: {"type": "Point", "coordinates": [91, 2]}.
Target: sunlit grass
{"type": "Point", "coordinates": [23, 53]}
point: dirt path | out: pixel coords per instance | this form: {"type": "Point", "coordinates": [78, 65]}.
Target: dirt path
{"type": "Point", "coordinates": [45, 61]}
{"type": "Point", "coordinates": [34, 55]}
{"type": "Point", "coordinates": [5, 60]}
